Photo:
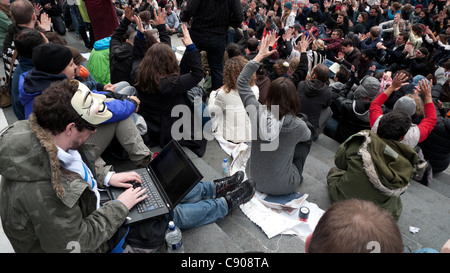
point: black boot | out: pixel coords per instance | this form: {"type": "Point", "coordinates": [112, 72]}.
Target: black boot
{"type": "Point", "coordinates": [227, 184]}
{"type": "Point", "coordinates": [241, 195]}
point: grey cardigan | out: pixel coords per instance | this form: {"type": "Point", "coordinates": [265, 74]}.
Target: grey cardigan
{"type": "Point", "coordinates": [273, 141]}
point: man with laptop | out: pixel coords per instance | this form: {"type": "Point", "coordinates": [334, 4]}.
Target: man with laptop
{"type": "Point", "coordinates": [51, 189]}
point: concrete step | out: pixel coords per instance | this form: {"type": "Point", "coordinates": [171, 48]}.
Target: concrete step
{"type": "Point", "coordinates": [423, 207]}
{"type": "Point", "coordinates": [441, 182]}
{"type": "Point", "coordinates": [428, 210]}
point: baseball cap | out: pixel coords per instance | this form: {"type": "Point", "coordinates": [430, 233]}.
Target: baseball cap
{"type": "Point", "coordinates": [90, 106]}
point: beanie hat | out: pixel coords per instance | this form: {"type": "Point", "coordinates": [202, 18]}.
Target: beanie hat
{"type": "Point", "coordinates": [419, 6]}
{"type": "Point", "coordinates": [439, 74]}
{"type": "Point", "coordinates": [51, 58]}
{"type": "Point", "coordinates": [288, 5]}
{"type": "Point", "coordinates": [406, 104]}
{"type": "Point", "coordinates": [368, 88]}
{"type": "Point", "coordinates": [76, 55]}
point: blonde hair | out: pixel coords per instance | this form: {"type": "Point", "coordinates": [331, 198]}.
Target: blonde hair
{"type": "Point", "coordinates": [293, 63]}
{"type": "Point", "coordinates": [318, 44]}
{"type": "Point", "coordinates": [420, 110]}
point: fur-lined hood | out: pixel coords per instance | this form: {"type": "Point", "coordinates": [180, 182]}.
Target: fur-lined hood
{"type": "Point", "coordinates": [38, 161]}
{"type": "Point", "coordinates": [383, 161]}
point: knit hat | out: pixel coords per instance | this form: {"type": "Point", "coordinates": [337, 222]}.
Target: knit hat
{"type": "Point", "coordinates": [76, 55]}
{"type": "Point", "coordinates": [288, 5]}
{"type": "Point", "coordinates": [51, 58]}
{"type": "Point", "coordinates": [418, 6]}
{"type": "Point", "coordinates": [439, 74]}
{"type": "Point", "coordinates": [368, 88]}
{"type": "Point", "coordinates": [90, 106]}
{"type": "Point", "coordinates": [406, 104]}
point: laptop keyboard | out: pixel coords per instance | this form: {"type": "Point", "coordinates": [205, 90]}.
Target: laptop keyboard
{"type": "Point", "coordinates": [153, 200]}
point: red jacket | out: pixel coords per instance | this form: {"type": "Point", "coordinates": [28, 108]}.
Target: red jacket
{"type": "Point", "coordinates": [415, 134]}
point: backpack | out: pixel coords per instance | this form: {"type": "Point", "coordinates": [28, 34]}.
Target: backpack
{"type": "Point", "coordinates": [141, 237]}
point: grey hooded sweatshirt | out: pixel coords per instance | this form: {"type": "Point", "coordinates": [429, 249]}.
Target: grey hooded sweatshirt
{"type": "Point", "coordinates": [273, 141]}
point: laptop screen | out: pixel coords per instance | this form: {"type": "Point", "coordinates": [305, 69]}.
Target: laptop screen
{"type": "Point", "coordinates": [175, 172]}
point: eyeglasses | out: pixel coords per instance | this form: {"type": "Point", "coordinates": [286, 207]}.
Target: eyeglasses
{"type": "Point", "coordinates": [91, 127]}
{"type": "Point", "coordinates": [81, 123]}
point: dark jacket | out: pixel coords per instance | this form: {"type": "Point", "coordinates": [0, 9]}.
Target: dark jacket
{"type": "Point", "coordinates": [352, 115]}
{"type": "Point", "coordinates": [156, 107]}
{"type": "Point", "coordinates": [418, 66]}
{"type": "Point", "coordinates": [359, 28]}
{"type": "Point", "coordinates": [55, 9]}
{"type": "Point", "coordinates": [120, 54]}
{"type": "Point", "coordinates": [394, 55]}
{"type": "Point", "coordinates": [314, 97]}
{"type": "Point", "coordinates": [212, 17]}
{"type": "Point", "coordinates": [352, 59]}
{"type": "Point", "coordinates": [436, 147]}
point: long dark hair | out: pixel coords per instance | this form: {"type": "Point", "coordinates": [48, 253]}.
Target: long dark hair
{"type": "Point", "coordinates": [5, 9]}
{"type": "Point", "coordinates": [282, 92]}
{"type": "Point", "coordinates": [159, 63]}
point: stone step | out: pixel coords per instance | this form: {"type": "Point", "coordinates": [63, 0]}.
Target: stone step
{"type": "Point", "coordinates": [428, 210]}
{"type": "Point", "coordinates": [441, 183]}
{"type": "Point", "coordinates": [423, 207]}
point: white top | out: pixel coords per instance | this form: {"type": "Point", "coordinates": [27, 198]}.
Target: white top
{"type": "Point", "coordinates": [230, 119]}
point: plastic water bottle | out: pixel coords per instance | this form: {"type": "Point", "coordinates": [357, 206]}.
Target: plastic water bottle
{"type": "Point", "coordinates": [174, 242]}
{"type": "Point", "coordinates": [226, 168]}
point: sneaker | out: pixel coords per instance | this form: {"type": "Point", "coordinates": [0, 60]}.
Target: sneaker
{"type": "Point", "coordinates": [227, 184]}
{"type": "Point", "coordinates": [240, 195]}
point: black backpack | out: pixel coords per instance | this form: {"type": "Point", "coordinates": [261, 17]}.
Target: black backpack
{"type": "Point", "coordinates": [146, 236]}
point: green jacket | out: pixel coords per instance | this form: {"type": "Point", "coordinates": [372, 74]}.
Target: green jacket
{"type": "Point", "coordinates": [98, 65]}
{"type": "Point", "coordinates": [4, 23]}
{"type": "Point", "coordinates": [44, 207]}
{"type": "Point", "coordinates": [374, 169]}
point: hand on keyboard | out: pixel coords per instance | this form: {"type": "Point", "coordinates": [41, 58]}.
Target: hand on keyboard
{"type": "Point", "coordinates": [132, 196]}
{"type": "Point", "coordinates": [121, 180]}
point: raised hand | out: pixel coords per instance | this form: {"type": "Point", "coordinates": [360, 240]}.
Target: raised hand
{"type": "Point", "coordinates": [186, 36]}
{"type": "Point", "coordinates": [139, 24]}
{"type": "Point", "coordinates": [304, 43]}
{"type": "Point", "coordinates": [399, 81]}
{"type": "Point", "coordinates": [46, 22]}
{"type": "Point", "coordinates": [264, 48]}
{"type": "Point", "coordinates": [160, 18]}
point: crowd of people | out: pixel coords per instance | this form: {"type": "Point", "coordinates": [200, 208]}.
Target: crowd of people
{"type": "Point", "coordinates": [373, 75]}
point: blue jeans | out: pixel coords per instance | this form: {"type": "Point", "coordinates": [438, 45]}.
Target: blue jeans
{"type": "Point", "coordinates": [200, 207]}
{"type": "Point", "coordinates": [74, 17]}
{"type": "Point", "coordinates": [214, 45]}
{"type": "Point", "coordinates": [331, 127]}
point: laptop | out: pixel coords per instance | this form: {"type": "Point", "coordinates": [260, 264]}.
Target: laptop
{"type": "Point", "coordinates": [168, 178]}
